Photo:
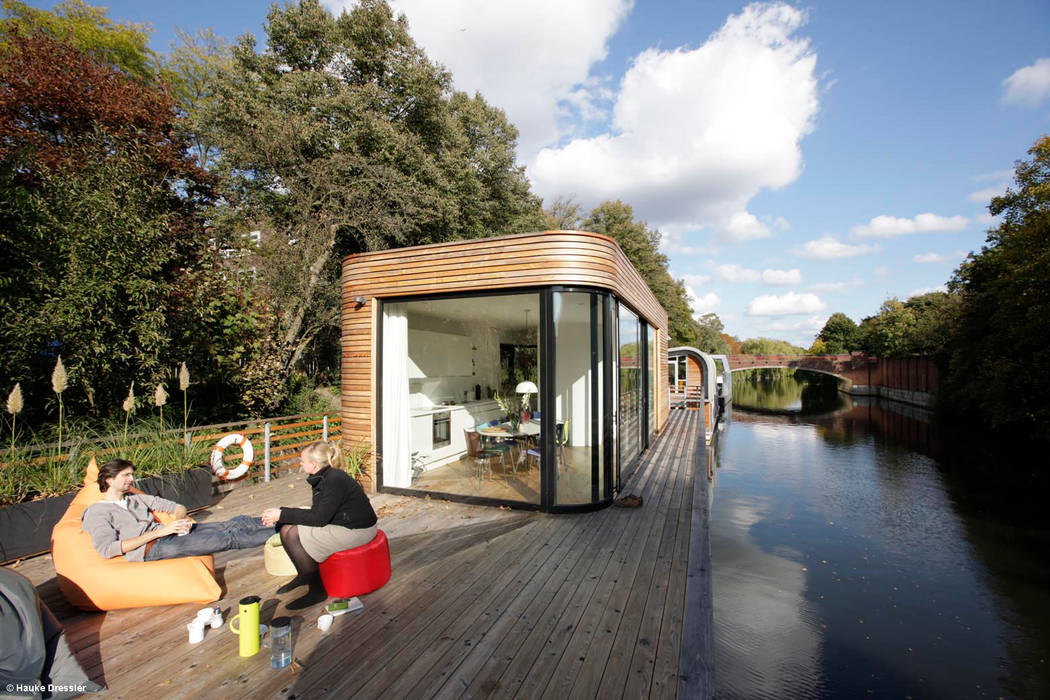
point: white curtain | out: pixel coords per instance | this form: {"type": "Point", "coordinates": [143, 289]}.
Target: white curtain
{"type": "Point", "coordinates": [397, 457]}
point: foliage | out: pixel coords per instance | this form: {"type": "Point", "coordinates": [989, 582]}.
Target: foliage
{"type": "Point", "coordinates": [85, 28]}
{"type": "Point", "coordinates": [819, 347]}
{"type": "Point", "coordinates": [641, 245]}
{"type": "Point", "coordinates": [342, 137]}
{"type": "Point", "coordinates": [769, 346]}
{"type": "Point", "coordinates": [96, 220]}
{"type": "Point", "coordinates": [839, 335]}
{"type": "Point", "coordinates": [193, 68]}
{"type": "Point", "coordinates": [999, 359]}
{"type": "Point", "coordinates": [356, 459]}
{"type": "Point", "coordinates": [918, 326]}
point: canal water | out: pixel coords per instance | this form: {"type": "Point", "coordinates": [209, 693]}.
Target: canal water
{"type": "Point", "coordinates": [857, 554]}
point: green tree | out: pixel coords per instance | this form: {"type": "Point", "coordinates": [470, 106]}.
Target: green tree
{"type": "Point", "coordinates": [999, 351]}
{"type": "Point", "coordinates": [641, 245]}
{"type": "Point", "coordinates": [86, 28]}
{"type": "Point", "coordinates": [769, 346]}
{"type": "Point", "coordinates": [102, 250]}
{"type": "Point", "coordinates": [918, 326]}
{"type": "Point", "coordinates": [341, 137]}
{"type": "Point", "coordinates": [840, 334]}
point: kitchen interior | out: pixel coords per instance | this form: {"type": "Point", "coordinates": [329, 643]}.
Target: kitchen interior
{"type": "Point", "coordinates": [460, 353]}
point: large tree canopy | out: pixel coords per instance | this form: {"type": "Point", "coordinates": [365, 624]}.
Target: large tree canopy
{"type": "Point", "coordinates": [103, 258]}
{"type": "Point", "coordinates": [341, 137]}
{"type": "Point", "coordinates": [839, 334]}
{"type": "Point", "coordinates": [1000, 359]}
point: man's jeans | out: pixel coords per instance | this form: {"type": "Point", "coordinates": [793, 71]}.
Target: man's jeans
{"type": "Point", "coordinates": [242, 532]}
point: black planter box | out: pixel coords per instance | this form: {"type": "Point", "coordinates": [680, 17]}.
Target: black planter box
{"type": "Point", "coordinates": [25, 528]}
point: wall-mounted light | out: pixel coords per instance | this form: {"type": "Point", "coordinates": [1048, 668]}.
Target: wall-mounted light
{"type": "Point", "coordinates": [360, 301]}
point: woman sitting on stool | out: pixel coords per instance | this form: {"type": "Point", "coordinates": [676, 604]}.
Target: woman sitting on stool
{"type": "Point", "coordinates": [341, 517]}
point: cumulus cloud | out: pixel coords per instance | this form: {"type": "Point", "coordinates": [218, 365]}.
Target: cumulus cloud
{"type": "Point", "coordinates": [531, 59]}
{"type": "Point", "coordinates": [696, 133]}
{"type": "Point", "coordinates": [830, 248]}
{"type": "Point", "coordinates": [736, 273]}
{"type": "Point", "coordinates": [703, 304]}
{"type": "Point", "coordinates": [888, 226]}
{"type": "Point", "coordinates": [792, 276]}
{"type": "Point", "coordinates": [785, 305]}
{"type": "Point", "coordinates": [695, 280]}
{"type": "Point", "coordinates": [1029, 85]}
{"type": "Point", "coordinates": [939, 257]}
{"type": "Point", "coordinates": [825, 287]}
{"type": "Point", "coordinates": [813, 324]}
{"type": "Point", "coordinates": [926, 290]}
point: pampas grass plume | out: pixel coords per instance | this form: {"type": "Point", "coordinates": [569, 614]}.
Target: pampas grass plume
{"type": "Point", "coordinates": [129, 403]}
{"type": "Point", "coordinates": [184, 377]}
{"type": "Point", "coordinates": [59, 380]}
{"type": "Point", "coordinates": [160, 396]}
{"type": "Point", "coordinates": [14, 400]}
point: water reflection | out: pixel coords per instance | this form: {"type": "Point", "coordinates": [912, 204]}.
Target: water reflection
{"type": "Point", "coordinates": [846, 564]}
{"type": "Point", "coordinates": [786, 391]}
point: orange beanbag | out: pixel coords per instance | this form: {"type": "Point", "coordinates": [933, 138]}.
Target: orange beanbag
{"type": "Point", "coordinates": [93, 583]}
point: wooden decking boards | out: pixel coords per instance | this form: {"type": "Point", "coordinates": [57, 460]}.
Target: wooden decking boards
{"type": "Point", "coordinates": [484, 602]}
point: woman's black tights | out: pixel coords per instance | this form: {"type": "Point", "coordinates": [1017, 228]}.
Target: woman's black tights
{"type": "Point", "coordinates": [308, 570]}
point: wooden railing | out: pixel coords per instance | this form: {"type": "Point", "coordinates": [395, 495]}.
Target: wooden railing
{"type": "Point", "coordinates": [275, 441]}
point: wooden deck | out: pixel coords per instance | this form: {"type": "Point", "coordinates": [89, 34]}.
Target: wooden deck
{"type": "Point", "coordinates": [483, 602]}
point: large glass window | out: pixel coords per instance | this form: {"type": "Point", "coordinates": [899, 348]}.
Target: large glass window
{"type": "Point", "coordinates": [578, 394]}
{"type": "Point", "coordinates": [447, 365]}
{"type": "Point", "coordinates": [630, 390]}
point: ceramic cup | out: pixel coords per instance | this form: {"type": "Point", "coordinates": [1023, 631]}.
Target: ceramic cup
{"type": "Point", "coordinates": [324, 622]}
{"type": "Point", "coordinates": [196, 630]}
{"type": "Point", "coordinates": [216, 619]}
{"type": "Point", "coordinates": [204, 615]}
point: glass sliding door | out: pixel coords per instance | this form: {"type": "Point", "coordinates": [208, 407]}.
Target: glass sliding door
{"type": "Point", "coordinates": [631, 387]}
{"type": "Point", "coordinates": [578, 398]}
{"type": "Point", "coordinates": [446, 364]}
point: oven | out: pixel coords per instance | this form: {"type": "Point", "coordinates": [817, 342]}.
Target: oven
{"type": "Point", "coordinates": [442, 434]}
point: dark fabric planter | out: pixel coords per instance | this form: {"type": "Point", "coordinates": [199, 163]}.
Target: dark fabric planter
{"type": "Point", "coordinates": [25, 528]}
{"type": "Point", "coordinates": [191, 488]}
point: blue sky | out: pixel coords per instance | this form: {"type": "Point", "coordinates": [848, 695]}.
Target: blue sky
{"type": "Point", "coordinates": [799, 158]}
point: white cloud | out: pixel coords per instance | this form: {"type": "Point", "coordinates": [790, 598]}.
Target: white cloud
{"type": "Point", "coordinates": [696, 133]}
{"type": "Point", "coordinates": [984, 196]}
{"type": "Point", "coordinates": [829, 248]}
{"type": "Point", "coordinates": [931, 258]}
{"type": "Point", "coordinates": [813, 324]}
{"type": "Point", "coordinates": [824, 287]}
{"type": "Point", "coordinates": [887, 226]}
{"type": "Point", "coordinates": [925, 290]}
{"type": "Point", "coordinates": [882, 271]}
{"type": "Point", "coordinates": [790, 303]}
{"type": "Point", "coordinates": [736, 273]}
{"type": "Point", "coordinates": [695, 280]}
{"type": "Point", "coordinates": [792, 276]}
{"type": "Point", "coordinates": [703, 304]}
{"type": "Point", "coordinates": [531, 59]}
{"type": "Point", "coordinates": [1029, 85]}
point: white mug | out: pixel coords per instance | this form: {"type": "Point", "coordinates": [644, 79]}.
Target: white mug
{"type": "Point", "coordinates": [204, 615]}
{"type": "Point", "coordinates": [196, 630]}
{"type": "Point", "coordinates": [324, 622]}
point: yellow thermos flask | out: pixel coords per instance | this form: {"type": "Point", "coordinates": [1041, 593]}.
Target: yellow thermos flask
{"type": "Point", "coordinates": [249, 627]}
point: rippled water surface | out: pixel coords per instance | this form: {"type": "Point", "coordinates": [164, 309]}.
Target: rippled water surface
{"type": "Point", "coordinates": [847, 564]}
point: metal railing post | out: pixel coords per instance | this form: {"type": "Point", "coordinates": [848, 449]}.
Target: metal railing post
{"type": "Point", "coordinates": [266, 452]}
{"type": "Point", "coordinates": [326, 427]}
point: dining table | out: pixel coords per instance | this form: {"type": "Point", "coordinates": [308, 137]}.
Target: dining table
{"type": "Point", "coordinates": [527, 431]}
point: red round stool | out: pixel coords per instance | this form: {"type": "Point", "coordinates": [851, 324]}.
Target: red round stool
{"type": "Point", "coordinates": [359, 570]}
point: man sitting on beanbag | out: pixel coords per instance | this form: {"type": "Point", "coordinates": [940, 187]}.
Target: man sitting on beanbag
{"type": "Point", "coordinates": [122, 523]}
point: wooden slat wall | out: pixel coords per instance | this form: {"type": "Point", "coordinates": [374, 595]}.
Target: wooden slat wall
{"type": "Point", "coordinates": [524, 260]}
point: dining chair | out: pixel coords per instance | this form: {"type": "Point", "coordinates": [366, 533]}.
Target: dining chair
{"type": "Point", "coordinates": [480, 454]}
{"type": "Point", "coordinates": [496, 444]}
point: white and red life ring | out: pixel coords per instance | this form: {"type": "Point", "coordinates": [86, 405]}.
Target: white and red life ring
{"type": "Point", "coordinates": [246, 460]}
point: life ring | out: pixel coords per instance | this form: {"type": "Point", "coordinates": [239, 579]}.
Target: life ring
{"type": "Point", "coordinates": [246, 460]}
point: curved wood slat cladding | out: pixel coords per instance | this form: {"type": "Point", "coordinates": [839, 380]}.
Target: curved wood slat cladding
{"type": "Point", "coordinates": [570, 258]}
